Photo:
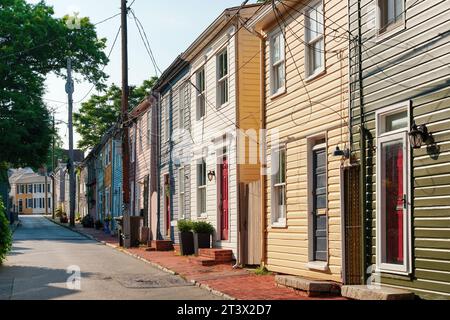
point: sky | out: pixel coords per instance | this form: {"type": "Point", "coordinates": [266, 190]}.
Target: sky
{"type": "Point", "coordinates": [171, 27]}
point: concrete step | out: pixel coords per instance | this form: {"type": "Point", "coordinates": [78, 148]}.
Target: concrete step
{"type": "Point", "coordinates": [364, 292]}
{"type": "Point", "coordinates": [218, 255]}
{"type": "Point", "coordinates": [312, 287]}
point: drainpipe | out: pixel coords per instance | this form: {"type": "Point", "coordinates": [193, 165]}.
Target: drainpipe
{"type": "Point", "coordinates": [262, 152]}
{"type": "Point", "coordinates": [362, 149]}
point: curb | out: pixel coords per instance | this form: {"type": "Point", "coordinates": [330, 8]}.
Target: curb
{"type": "Point", "coordinates": [153, 264]}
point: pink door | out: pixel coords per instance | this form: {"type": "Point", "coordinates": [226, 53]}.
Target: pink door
{"type": "Point", "coordinates": [224, 197]}
{"type": "Point", "coordinates": [395, 203]}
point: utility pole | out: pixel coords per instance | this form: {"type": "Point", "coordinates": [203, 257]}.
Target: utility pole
{"type": "Point", "coordinates": [125, 135]}
{"type": "Point", "coordinates": [53, 168]}
{"type": "Point", "coordinates": [69, 91]}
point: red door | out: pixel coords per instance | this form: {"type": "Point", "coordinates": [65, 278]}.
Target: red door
{"type": "Point", "coordinates": [167, 203]}
{"type": "Point", "coordinates": [395, 206]}
{"type": "Point", "coordinates": [224, 220]}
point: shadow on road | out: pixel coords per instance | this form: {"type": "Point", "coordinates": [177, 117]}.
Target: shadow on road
{"type": "Point", "coordinates": [35, 283]}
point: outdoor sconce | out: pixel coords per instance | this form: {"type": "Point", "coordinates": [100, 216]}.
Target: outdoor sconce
{"type": "Point", "coordinates": [418, 135]}
{"type": "Point", "coordinates": [211, 175]}
{"type": "Point", "coordinates": [341, 153]}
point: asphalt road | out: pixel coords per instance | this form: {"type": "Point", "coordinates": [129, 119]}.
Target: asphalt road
{"type": "Point", "coordinates": [52, 262]}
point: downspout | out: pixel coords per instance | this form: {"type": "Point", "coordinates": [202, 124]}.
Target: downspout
{"type": "Point", "coordinates": [238, 176]}
{"type": "Point", "coordinates": [158, 165]}
{"type": "Point", "coordinates": [362, 149]}
{"type": "Point", "coordinates": [262, 151]}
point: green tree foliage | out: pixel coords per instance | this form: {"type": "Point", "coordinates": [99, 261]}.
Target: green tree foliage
{"type": "Point", "coordinates": [101, 112]}
{"type": "Point", "coordinates": [5, 234]}
{"type": "Point", "coordinates": [33, 44]}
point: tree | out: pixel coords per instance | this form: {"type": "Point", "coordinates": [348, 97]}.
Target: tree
{"type": "Point", "coordinates": [5, 233]}
{"type": "Point", "coordinates": [101, 112]}
{"type": "Point", "coordinates": [33, 44]}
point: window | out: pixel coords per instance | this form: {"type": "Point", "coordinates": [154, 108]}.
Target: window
{"type": "Point", "coordinates": [48, 188]}
{"type": "Point", "coordinates": [20, 206]}
{"type": "Point", "coordinates": [149, 119]}
{"type": "Point", "coordinates": [35, 188]}
{"type": "Point", "coordinates": [107, 201]}
{"type": "Point", "coordinates": [315, 43]}
{"type": "Point", "coordinates": [30, 188]}
{"type": "Point", "coordinates": [393, 204]}
{"type": "Point", "coordinates": [182, 192]}
{"type": "Point", "coordinates": [279, 188]}
{"type": "Point", "coordinates": [183, 98]}
{"type": "Point", "coordinates": [107, 154]}
{"type": "Point", "coordinates": [39, 188]}
{"type": "Point", "coordinates": [34, 203]}
{"type": "Point", "coordinates": [166, 119]}
{"type": "Point", "coordinates": [201, 87]}
{"type": "Point", "coordinates": [201, 188]}
{"type": "Point", "coordinates": [49, 203]}
{"type": "Point", "coordinates": [390, 14]}
{"type": "Point", "coordinates": [133, 147]}
{"type": "Point", "coordinates": [22, 189]}
{"type": "Point", "coordinates": [277, 62]}
{"type": "Point", "coordinates": [222, 78]}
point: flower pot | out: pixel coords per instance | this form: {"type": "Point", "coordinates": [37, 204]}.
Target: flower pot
{"type": "Point", "coordinates": [201, 241]}
{"type": "Point", "coordinates": [186, 243]}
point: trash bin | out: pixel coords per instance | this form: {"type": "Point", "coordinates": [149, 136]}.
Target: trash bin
{"type": "Point", "coordinates": [119, 221]}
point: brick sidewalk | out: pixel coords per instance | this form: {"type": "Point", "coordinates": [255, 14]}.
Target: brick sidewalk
{"type": "Point", "coordinates": [240, 284]}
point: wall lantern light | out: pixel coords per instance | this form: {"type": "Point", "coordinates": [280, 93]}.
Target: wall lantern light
{"type": "Point", "coordinates": [341, 153]}
{"type": "Point", "coordinates": [211, 175]}
{"type": "Point", "coordinates": [418, 135]}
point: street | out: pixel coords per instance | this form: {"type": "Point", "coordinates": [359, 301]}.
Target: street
{"type": "Point", "coordinates": [45, 258]}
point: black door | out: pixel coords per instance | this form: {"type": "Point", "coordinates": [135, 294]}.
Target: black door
{"type": "Point", "coordinates": [320, 241]}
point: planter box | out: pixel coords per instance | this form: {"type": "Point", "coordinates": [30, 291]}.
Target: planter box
{"type": "Point", "coordinates": [201, 241]}
{"type": "Point", "coordinates": [186, 243]}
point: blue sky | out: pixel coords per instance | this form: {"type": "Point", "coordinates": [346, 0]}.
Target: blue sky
{"type": "Point", "coordinates": [170, 26]}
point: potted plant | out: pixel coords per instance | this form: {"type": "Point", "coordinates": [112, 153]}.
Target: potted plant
{"type": "Point", "coordinates": [202, 235]}
{"type": "Point", "coordinates": [63, 218]}
{"type": "Point", "coordinates": [98, 225]}
{"type": "Point", "coordinates": [87, 221]}
{"type": "Point", "coordinates": [186, 237]}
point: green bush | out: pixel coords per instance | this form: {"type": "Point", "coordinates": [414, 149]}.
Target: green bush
{"type": "Point", "coordinates": [5, 234]}
{"type": "Point", "coordinates": [184, 225]}
{"type": "Point", "coordinates": [202, 227]}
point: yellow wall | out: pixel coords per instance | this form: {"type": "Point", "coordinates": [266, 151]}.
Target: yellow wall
{"type": "Point", "coordinates": [24, 197]}
{"type": "Point", "coordinates": [249, 103]}
{"type": "Point", "coordinates": [316, 107]}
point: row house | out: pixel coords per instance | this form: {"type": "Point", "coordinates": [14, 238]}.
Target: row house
{"type": "Point", "coordinates": [400, 122]}
{"type": "Point", "coordinates": [305, 105]}
{"type": "Point", "coordinates": [33, 194]}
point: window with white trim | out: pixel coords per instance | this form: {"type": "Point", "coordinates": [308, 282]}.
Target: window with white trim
{"type": "Point", "coordinates": [390, 14]}
{"type": "Point", "coordinates": [182, 192]}
{"type": "Point", "coordinates": [315, 40]}
{"type": "Point", "coordinates": [166, 119]}
{"type": "Point", "coordinates": [183, 98]}
{"type": "Point", "coordinates": [222, 78]}
{"type": "Point", "coordinates": [149, 119]}
{"type": "Point", "coordinates": [277, 62]}
{"type": "Point", "coordinates": [278, 210]}
{"type": "Point", "coordinates": [201, 188]}
{"type": "Point", "coordinates": [201, 91]}
{"type": "Point", "coordinates": [133, 148]}
{"type": "Point", "coordinates": [393, 239]}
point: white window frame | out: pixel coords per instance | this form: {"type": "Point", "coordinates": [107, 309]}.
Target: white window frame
{"type": "Point", "coordinates": [166, 118]}
{"type": "Point", "coordinates": [222, 80]}
{"type": "Point", "coordinates": [182, 106]}
{"type": "Point", "coordinates": [149, 119]}
{"type": "Point", "coordinates": [201, 187]}
{"type": "Point", "coordinates": [200, 95]}
{"type": "Point", "coordinates": [383, 137]}
{"type": "Point", "coordinates": [274, 92]}
{"type": "Point", "coordinates": [182, 192]}
{"type": "Point", "coordinates": [133, 150]}
{"type": "Point", "coordinates": [278, 219]}
{"type": "Point", "coordinates": [392, 28]}
{"type": "Point", "coordinates": [309, 43]}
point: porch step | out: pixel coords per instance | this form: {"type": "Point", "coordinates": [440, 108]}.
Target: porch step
{"type": "Point", "coordinates": [364, 292]}
{"type": "Point", "coordinates": [217, 255]}
{"type": "Point", "coordinates": [312, 287]}
{"type": "Point", "coordinates": [160, 245]}
{"type": "Point", "coordinates": [202, 261]}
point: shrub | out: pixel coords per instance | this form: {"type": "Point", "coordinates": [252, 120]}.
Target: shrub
{"type": "Point", "coordinates": [184, 225]}
{"type": "Point", "coordinates": [87, 221]}
{"type": "Point", "coordinates": [5, 234]}
{"type": "Point", "coordinates": [98, 224]}
{"type": "Point", "coordinates": [77, 216]}
{"type": "Point", "coordinates": [59, 212]}
{"type": "Point", "coordinates": [202, 227]}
